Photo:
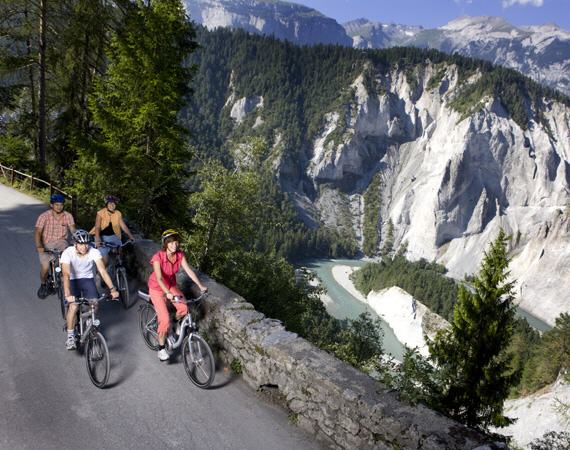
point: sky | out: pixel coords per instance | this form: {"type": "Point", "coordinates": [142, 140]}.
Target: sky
{"type": "Point", "coordinates": [435, 13]}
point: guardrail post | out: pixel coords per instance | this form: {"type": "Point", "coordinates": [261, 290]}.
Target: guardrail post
{"type": "Point", "coordinates": [50, 189]}
{"type": "Point", "coordinates": [32, 183]}
{"type": "Point", "coordinates": [12, 177]}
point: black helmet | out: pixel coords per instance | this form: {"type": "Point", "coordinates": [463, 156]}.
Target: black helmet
{"type": "Point", "coordinates": [111, 199]}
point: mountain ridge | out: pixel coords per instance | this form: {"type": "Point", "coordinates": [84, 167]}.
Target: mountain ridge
{"type": "Point", "coordinates": [540, 51]}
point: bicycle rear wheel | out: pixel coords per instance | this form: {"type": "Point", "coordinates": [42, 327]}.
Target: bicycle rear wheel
{"type": "Point", "coordinates": [148, 324]}
{"type": "Point", "coordinates": [198, 361]}
{"type": "Point", "coordinates": [97, 358]}
{"type": "Point", "coordinates": [123, 287]}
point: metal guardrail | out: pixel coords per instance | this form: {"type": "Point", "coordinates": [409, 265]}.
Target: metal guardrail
{"type": "Point", "coordinates": [11, 174]}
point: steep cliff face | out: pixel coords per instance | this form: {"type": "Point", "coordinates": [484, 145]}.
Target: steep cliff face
{"type": "Point", "coordinates": [293, 22]}
{"type": "Point", "coordinates": [450, 180]}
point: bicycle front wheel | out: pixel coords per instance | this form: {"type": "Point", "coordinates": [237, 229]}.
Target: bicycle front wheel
{"type": "Point", "coordinates": [61, 297]}
{"type": "Point", "coordinates": [123, 287]}
{"type": "Point", "coordinates": [97, 358]}
{"type": "Point", "coordinates": [148, 324]}
{"type": "Point", "coordinates": [198, 361]}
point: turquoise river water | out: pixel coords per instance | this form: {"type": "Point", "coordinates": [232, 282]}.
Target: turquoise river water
{"type": "Point", "coordinates": [346, 306]}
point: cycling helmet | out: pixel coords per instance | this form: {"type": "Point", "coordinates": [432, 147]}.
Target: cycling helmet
{"type": "Point", "coordinates": [81, 237]}
{"type": "Point", "coordinates": [168, 233]}
{"type": "Point", "coordinates": [111, 199]}
{"type": "Point", "coordinates": [56, 198]}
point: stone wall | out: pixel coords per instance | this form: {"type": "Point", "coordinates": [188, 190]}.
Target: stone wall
{"type": "Point", "coordinates": [341, 406]}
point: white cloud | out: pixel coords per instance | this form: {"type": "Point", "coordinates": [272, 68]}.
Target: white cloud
{"type": "Point", "coordinates": [507, 3]}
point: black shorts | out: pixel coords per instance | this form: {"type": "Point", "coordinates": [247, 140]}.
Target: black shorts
{"type": "Point", "coordinates": [84, 287]}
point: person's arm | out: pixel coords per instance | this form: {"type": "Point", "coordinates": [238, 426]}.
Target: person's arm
{"type": "Point", "coordinates": [125, 228]}
{"type": "Point", "coordinates": [66, 283]}
{"type": "Point", "coordinates": [160, 281]}
{"type": "Point", "coordinates": [192, 275]}
{"type": "Point", "coordinates": [106, 278]}
{"type": "Point", "coordinates": [38, 239]}
{"type": "Point", "coordinates": [97, 230]}
{"type": "Point", "coordinates": [71, 226]}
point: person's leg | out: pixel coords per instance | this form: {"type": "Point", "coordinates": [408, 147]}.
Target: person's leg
{"type": "Point", "coordinates": [104, 253]}
{"type": "Point", "coordinates": [181, 307]}
{"type": "Point", "coordinates": [71, 317]}
{"type": "Point", "coordinates": [44, 266]}
{"type": "Point", "coordinates": [161, 309]}
{"type": "Point", "coordinates": [113, 240]}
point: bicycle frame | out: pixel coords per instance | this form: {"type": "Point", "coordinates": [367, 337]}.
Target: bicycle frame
{"type": "Point", "coordinates": [83, 316]}
{"type": "Point", "coordinates": [186, 323]}
{"type": "Point", "coordinates": [55, 268]}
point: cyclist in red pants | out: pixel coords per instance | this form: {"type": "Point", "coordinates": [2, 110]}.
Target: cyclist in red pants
{"type": "Point", "coordinates": [162, 285]}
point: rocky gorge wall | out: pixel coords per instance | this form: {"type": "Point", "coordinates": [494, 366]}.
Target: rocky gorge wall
{"type": "Point", "coordinates": [341, 406]}
{"type": "Point", "coordinates": [451, 180]}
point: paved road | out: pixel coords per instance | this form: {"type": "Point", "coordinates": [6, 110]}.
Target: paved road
{"type": "Point", "coordinates": [48, 402]}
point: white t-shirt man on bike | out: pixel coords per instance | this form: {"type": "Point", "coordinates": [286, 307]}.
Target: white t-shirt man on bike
{"type": "Point", "coordinates": [78, 278]}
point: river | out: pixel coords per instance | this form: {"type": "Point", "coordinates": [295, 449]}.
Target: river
{"type": "Point", "coordinates": [346, 306]}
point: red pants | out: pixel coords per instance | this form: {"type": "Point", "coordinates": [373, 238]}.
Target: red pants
{"type": "Point", "coordinates": [159, 302]}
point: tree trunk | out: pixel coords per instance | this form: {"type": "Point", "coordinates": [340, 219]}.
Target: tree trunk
{"type": "Point", "coordinates": [42, 87]}
{"type": "Point", "coordinates": [32, 89]}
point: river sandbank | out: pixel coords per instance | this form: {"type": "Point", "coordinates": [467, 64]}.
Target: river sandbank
{"type": "Point", "coordinates": [409, 319]}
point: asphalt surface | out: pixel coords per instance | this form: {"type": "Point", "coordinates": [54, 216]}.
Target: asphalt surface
{"type": "Point", "coordinates": [48, 402]}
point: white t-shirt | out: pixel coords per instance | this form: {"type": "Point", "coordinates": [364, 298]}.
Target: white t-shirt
{"type": "Point", "coordinates": [80, 266]}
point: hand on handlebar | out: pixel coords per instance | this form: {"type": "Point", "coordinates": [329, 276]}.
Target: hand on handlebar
{"type": "Point", "coordinates": [114, 294]}
{"type": "Point", "coordinates": [70, 299]}
{"type": "Point", "coordinates": [169, 296]}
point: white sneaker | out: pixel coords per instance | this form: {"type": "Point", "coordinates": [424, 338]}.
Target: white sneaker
{"type": "Point", "coordinates": [163, 354]}
{"type": "Point", "coordinates": [70, 343]}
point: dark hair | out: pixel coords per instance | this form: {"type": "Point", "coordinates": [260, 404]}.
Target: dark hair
{"type": "Point", "coordinates": [169, 239]}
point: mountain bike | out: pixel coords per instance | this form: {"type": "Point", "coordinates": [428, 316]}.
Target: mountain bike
{"type": "Point", "coordinates": [54, 280]}
{"type": "Point", "coordinates": [196, 353]}
{"type": "Point", "coordinates": [90, 340]}
{"type": "Point", "coordinates": [118, 272]}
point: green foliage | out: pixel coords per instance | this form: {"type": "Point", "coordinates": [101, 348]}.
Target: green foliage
{"type": "Point", "coordinates": [135, 106]}
{"type": "Point", "coordinates": [471, 355]}
{"type": "Point", "coordinates": [523, 344]}
{"type": "Point", "coordinates": [553, 440]}
{"type": "Point", "coordinates": [417, 380]}
{"type": "Point", "coordinates": [360, 344]}
{"type": "Point", "coordinates": [436, 79]}
{"type": "Point", "coordinates": [388, 247]}
{"type": "Point", "coordinates": [236, 366]}
{"type": "Point", "coordinates": [423, 280]}
{"type": "Point", "coordinates": [225, 212]}
{"type": "Point", "coordinates": [371, 217]}
{"type": "Point", "coordinates": [548, 358]}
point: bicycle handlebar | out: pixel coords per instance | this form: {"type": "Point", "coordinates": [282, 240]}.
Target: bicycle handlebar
{"type": "Point", "coordinates": [108, 244]}
{"type": "Point", "coordinates": [86, 301]}
{"type": "Point", "coordinates": [178, 299]}
{"type": "Point", "coordinates": [53, 252]}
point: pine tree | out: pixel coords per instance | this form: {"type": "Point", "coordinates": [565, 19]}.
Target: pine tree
{"type": "Point", "coordinates": [143, 149]}
{"type": "Point", "coordinates": [388, 247]}
{"type": "Point", "coordinates": [471, 356]}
